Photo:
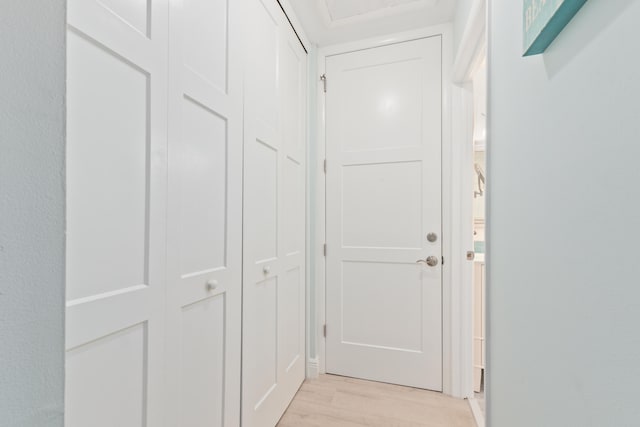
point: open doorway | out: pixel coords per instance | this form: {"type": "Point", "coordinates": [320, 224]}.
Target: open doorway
{"type": "Point", "coordinates": [479, 79]}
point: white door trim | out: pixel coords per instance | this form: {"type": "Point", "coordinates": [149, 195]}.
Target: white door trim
{"type": "Point", "coordinates": [449, 376]}
{"type": "Point", "coordinates": [471, 52]}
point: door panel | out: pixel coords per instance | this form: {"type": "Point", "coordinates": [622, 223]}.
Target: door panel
{"type": "Point", "coordinates": [202, 220]}
{"type": "Point", "coordinates": [205, 213]}
{"type": "Point", "coordinates": [205, 40]}
{"type": "Point", "coordinates": [203, 363]}
{"type": "Point", "coordinates": [97, 221]}
{"type": "Point", "coordinates": [119, 382]}
{"type": "Point", "coordinates": [393, 205]}
{"type": "Point", "coordinates": [383, 128]}
{"type": "Point", "coordinates": [262, 208]}
{"type": "Point", "coordinates": [116, 186]}
{"type": "Point", "coordinates": [274, 217]}
{"type": "Point", "coordinates": [403, 331]}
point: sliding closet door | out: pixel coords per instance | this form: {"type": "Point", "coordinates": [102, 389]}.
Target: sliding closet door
{"type": "Point", "coordinates": [205, 214]}
{"type": "Point", "coordinates": [274, 216]}
{"type": "Point", "coordinates": [116, 191]}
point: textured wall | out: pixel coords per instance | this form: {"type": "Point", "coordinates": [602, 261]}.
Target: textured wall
{"type": "Point", "coordinates": [564, 221]}
{"type": "Point", "coordinates": [32, 88]}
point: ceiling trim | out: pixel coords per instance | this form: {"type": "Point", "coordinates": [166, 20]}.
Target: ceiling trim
{"type": "Point", "coordinates": [323, 31]}
{"type": "Point", "coordinates": [443, 30]}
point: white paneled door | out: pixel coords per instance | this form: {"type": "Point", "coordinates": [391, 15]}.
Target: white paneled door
{"type": "Point", "coordinates": [274, 216]}
{"type": "Point", "coordinates": [383, 130]}
{"type": "Point", "coordinates": [204, 250]}
{"type": "Point", "coordinates": [116, 191]}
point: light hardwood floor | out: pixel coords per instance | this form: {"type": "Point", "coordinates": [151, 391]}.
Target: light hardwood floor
{"type": "Point", "coordinates": [340, 401]}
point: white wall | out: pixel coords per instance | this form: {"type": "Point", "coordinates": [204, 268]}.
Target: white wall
{"type": "Point", "coordinates": [564, 221]}
{"type": "Point", "coordinates": [32, 213]}
{"type": "Point", "coordinates": [463, 9]}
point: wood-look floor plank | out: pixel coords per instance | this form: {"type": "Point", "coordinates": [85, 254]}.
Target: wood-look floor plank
{"type": "Point", "coordinates": [334, 401]}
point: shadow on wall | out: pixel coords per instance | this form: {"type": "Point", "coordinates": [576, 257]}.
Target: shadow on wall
{"type": "Point", "coordinates": [581, 32]}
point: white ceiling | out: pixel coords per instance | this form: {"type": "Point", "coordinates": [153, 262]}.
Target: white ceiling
{"type": "Point", "coordinates": [329, 22]}
{"type": "Point", "coordinates": [340, 9]}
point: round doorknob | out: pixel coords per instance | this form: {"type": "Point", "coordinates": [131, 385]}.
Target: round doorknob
{"type": "Point", "coordinates": [212, 285]}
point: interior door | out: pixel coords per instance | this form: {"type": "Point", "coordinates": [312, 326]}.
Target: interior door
{"type": "Point", "coordinates": [116, 185]}
{"type": "Point", "coordinates": [383, 130]}
{"type": "Point", "coordinates": [274, 216]}
{"type": "Point", "coordinates": [205, 213]}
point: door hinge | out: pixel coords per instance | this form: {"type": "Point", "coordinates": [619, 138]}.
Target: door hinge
{"type": "Point", "coordinates": [442, 260]}
{"type": "Point", "coordinates": [323, 79]}
{"type": "Point", "coordinates": [324, 166]}
{"type": "Point", "coordinates": [324, 249]}
{"type": "Point", "coordinates": [324, 330]}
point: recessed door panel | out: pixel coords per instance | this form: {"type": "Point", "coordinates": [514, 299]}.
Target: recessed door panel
{"type": "Point", "coordinates": [133, 12]}
{"type": "Point", "coordinates": [261, 208]}
{"type": "Point", "coordinates": [382, 305]}
{"type": "Point", "coordinates": [289, 300]}
{"type": "Point", "coordinates": [262, 87]}
{"type": "Point", "coordinates": [203, 363]}
{"type": "Point", "coordinates": [205, 43]}
{"type": "Point", "coordinates": [382, 205]}
{"type": "Point", "coordinates": [384, 104]}
{"type": "Point", "coordinates": [203, 189]}
{"type": "Point", "coordinates": [108, 373]}
{"type": "Point", "coordinates": [107, 170]}
{"type": "Point", "coordinates": [292, 91]}
{"type": "Point", "coordinates": [262, 341]}
{"type": "Point", "coordinates": [293, 194]}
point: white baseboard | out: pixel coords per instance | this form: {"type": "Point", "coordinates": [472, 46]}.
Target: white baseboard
{"type": "Point", "coordinates": [477, 412]}
{"type": "Point", "coordinates": [313, 368]}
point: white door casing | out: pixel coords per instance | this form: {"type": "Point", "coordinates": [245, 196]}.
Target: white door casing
{"type": "Point", "coordinates": [205, 213]}
{"type": "Point", "coordinates": [274, 216]}
{"type": "Point", "coordinates": [116, 183]}
{"type": "Point", "coordinates": [384, 135]}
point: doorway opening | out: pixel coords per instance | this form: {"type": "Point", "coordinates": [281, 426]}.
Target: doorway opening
{"type": "Point", "coordinates": [479, 82]}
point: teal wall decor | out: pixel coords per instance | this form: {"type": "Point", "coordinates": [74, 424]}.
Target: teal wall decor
{"type": "Point", "coordinates": [543, 20]}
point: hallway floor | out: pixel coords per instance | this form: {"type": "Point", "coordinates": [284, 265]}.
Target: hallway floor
{"type": "Point", "coordinates": [340, 401]}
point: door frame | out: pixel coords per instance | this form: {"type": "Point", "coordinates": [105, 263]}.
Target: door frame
{"type": "Point", "coordinates": [450, 311]}
{"type": "Point", "coordinates": [471, 52]}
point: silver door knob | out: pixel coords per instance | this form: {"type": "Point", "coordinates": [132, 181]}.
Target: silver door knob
{"type": "Point", "coordinates": [432, 237]}
{"type": "Point", "coordinates": [431, 261]}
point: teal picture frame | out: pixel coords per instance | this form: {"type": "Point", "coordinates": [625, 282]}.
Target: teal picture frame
{"type": "Point", "coordinates": [543, 20]}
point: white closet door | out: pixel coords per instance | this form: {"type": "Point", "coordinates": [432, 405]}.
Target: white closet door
{"type": "Point", "coordinates": [274, 216]}
{"type": "Point", "coordinates": [116, 186]}
{"type": "Point", "coordinates": [205, 214]}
